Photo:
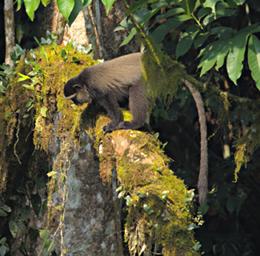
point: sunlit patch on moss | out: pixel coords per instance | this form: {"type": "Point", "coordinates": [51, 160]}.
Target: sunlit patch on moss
{"type": "Point", "coordinates": [158, 203]}
{"type": "Point", "coordinates": [56, 71]}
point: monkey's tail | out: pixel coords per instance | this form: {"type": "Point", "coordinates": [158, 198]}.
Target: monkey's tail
{"type": "Point", "coordinates": [203, 173]}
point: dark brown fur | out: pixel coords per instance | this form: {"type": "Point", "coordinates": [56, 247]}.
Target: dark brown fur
{"type": "Point", "coordinates": [108, 84]}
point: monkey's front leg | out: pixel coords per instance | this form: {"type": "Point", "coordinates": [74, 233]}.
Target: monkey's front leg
{"type": "Point", "coordinates": [111, 105]}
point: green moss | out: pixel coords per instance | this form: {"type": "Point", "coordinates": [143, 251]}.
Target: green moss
{"type": "Point", "coordinates": [56, 70]}
{"type": "Point", "coordinates": [38, 102]}
{"type": "Point", "coordinates": [158, 203]}
{"type": "Point", "coordinates": [162, 79]}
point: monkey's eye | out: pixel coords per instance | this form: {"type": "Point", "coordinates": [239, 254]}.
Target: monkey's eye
{"type": "Point", "coordinates": [77, 86]}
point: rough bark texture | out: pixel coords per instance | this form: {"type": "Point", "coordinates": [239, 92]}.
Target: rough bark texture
{"type": "Point", "coordinates": [46, 19]}
{"type": "Point", "coordinates": [9, 30]}
{"type": "Point", "coordinates": [58, 23]}
{"type": "Point", "coordinates": [77, 31]}
{"type": "Point", "coordinates": [2, 39]}
{"type": "Point", "coordinates": [90, 227]}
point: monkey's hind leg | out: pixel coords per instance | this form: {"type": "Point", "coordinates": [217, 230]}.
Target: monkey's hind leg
{"type": "Point", "coordinates": [138, 106]}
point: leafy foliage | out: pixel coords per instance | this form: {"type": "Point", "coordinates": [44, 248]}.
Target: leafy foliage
{"type": "Point", "coordinates": [108, 4]}
{"type": "Point", "coordinates": [221, 38]}
{"type": "Point", "coordinates": [254, 58]}
{"type": "Point", "coordinates": [68, 8]}
{"type": "Point", "coordinates": [193, 24]}
{"type": "Point", "coordinates": [205, 26]}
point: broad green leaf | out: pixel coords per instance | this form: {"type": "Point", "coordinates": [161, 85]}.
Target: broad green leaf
{"type": "Point", "coordinates": [239, 2]}
{"type": "Point", "coordinates": [209, 56]}
{"type": "Point", "coordinates": [254, 59]}
{"type": "Point", "coordinates": [159, 33]}
{"type": "Point", "coordinates": [108, 5]}
{"type": "Point", "coordinates": [208, 19]}
{"type": "Point", "coordinates": [147, 16]}
{"type": "Point", "coordinates": [236, 55]}
{"type": "Point", "coordinates": [203, 12]}
{"type": "Point", "coordinates": [170, 13]}
{"type": "Point", "coordinates": [66, 7]}
{"type": "Point", "coordinates": [31, 6]}
{"type": "Point", "coordinates": [188, 5]}
{"type": "Point", "coordinates": [76, 9]}
{"type": "Point", "coordinates": [19, 5]}
{"type": "Point", "coordinates": [206, 65]}
{"type": "Point", "coordinates": [129, 37]}
{"type": "Point", "coordinates": [184, 45]}
{"type": "Point", "coordinates": [13, 227]}
{"type": "Point", "coordinates": [221, 57]}
{"type": "Point", "coordinates": [223, 32]}
{"type": "Point", "coordinates": [86, 2]}
{"type": "Point", "coordinates": [200, 39]}
{"type": "Point", "coordinates": [45, 2]}
{"type": "Point", "coordinates": [137, 5]}
{"type": "Point", "coordinates": [211, 4]}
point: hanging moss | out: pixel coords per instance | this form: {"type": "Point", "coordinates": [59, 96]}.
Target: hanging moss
{"type": "Point", "coordinates": [158, 203]}
{"type": "Point", "coordinates": [35, 95]}
{"type": "Point", "coordinates": [162, 79]}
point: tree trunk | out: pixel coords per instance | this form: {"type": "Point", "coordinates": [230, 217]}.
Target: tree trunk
{"type": "Point", "coordinates": [100, 30]}
{"type": "Point", "coordinates": [9, 30]}
{"type": "Point", "coordinates": [90, 223]}
{"type": "Point", "coordinates": [58, 22]}
{"type": "Point", "coordinates": [77, 31]}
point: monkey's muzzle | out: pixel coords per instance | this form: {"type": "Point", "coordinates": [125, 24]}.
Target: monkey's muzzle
{"type": "Point", "coordinates": [70, 97]}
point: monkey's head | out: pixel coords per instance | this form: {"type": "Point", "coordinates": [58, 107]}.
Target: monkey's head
{"type": "Point", "coordinates": [77, 92]}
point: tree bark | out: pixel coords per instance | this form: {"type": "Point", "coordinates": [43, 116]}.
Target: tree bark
{"type": "Point", "coordinates": [9, 30]}
{"type": "Point", "coordinates": [58, 23]}
{"type": "Point", "coordinates": [87, 223]}
{"type": "Point", "coordinates": [89, 214]}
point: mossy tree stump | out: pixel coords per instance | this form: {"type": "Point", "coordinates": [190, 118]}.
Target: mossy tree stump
{"type": "Point", "coordinates": [90, 170]}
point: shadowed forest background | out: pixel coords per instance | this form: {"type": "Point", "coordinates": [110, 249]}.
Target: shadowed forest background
{"type": "Point", "coordinates": [59, 191]}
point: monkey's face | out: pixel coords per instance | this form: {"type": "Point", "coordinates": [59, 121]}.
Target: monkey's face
{"type": "Point", "coordinates": [78, 93]}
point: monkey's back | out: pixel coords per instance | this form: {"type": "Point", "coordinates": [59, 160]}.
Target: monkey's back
{"type": "Point", "coordinates": [115, 75]}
